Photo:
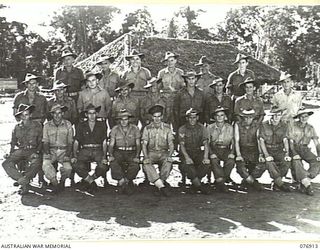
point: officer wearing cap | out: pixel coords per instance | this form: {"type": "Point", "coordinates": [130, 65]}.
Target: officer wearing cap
{"type": "Point", "coordinates": [95, 95]}
{"type": "Point", "coordinates": [31, 96]}
{"type": "Point", "coordinates": [137, 74]}
{"type": "Point", "coordinates": [69, 74]}
{"type": "Point", "coordinates": [186, 98]}
{"type": "Point", "coordinates": [249, 161]}
{"type": "Point", "coordinates": [206, 76]}
{"type": "Point", "coordinates": [154, 96]}
{"type": "Point", "coordinates": [110, 78]}
{"type": "Point", "coordinates": [172, 79]}
{"type": "Point", "coordinates": [300, 135]}
{"type": "Point", "coordinates": [57, 147]}
{"type": "Point", "coordinates": [249, 100]}
{"type": "Point", "coordinates": [124, 152]}
{"type": "Point", "coordinates": [217, 99]}
{"type": "Point", "coordinates": [126, 101]}
{"type": "Point", "coordinates": [274, 144]}
{"type": "Point", "coordinates": [60, 97]}
{"type": "Point", "coordinates": [90, 145]}
{"type": "Point", "coordinates": [195, 162]}
{"type": "Point", "coordinates": [239, 76]}
{"type": "Point", "coordinates": [157, 147]}
{"type": "Point", "coordinates": [221, 148]}
{"type": "Point", "coordinates": [25, 146]}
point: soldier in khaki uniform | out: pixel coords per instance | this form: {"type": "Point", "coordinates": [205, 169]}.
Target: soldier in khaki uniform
{"type": "Point", "coordinates": [26, 136]}
{"type": "Point", "coordinates": [195, 162]}
{"type": "Point", "coordinates": [221, 148]}
{"type": "Point", "coordinates": [90, 145]}
{"type": "Point", "coordinates": [157, 147]}
{"type": "Point", "coordinates": [60, 97]}
{"type": "Point", "coordinates": [57, 147]}
{"type": "Point", "coordinates": [206, 76]}
{"type": "Point", "coordinates": [124, 152]}
{"type": "Point", "coordinates": [300, 135]}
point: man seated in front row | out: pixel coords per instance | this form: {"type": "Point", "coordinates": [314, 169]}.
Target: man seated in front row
{"type": "Point", "coordinates": [91, 138]}
{"type": "Point", "coordinates": [158, 147]}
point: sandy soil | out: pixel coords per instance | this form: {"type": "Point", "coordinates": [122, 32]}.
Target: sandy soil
{"type": "Point", "coordinates": [75, 215]}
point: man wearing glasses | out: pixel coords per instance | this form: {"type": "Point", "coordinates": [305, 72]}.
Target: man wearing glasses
{"type": "Point", "coordinates": [157, 147]}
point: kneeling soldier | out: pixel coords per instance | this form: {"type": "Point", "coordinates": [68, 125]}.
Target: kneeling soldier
{"type": "Point", "coordinates": [91, 137]}
{"type": "Point", "coordinates": [157, 147]}
{"type": "Point", "coordinates": [124, 152]}
{"type": "Point", "coordinates": [247, 150]}
{"type": "Point", "coordinates": [27, 136]}
{"type": "Point", "coordinates": [275, 147]}
{"type": "Point", "coordinates": [57, 147]}
{"type": "Point", "coordinates": [221, 148]}
{"type": "Point", "coordinates": [195, 163]}
{"type": "Point", "coordinates": [300, 135]}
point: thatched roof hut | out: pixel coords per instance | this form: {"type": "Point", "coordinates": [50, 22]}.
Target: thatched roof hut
{"type": "Point", "coordinates": [222, 54]}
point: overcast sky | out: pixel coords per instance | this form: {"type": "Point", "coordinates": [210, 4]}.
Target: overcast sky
{"type": "Point", "coordinates": [36, 14]}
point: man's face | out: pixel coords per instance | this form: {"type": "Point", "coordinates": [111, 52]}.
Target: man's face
{"type": "Point", "coordinates": [92, 82]}
{"type": "Point", "coordinates": [248, 119]}
{"type": "Point", "coordinates": [125, 91]}
{"type": "Point", "coordinates": [105, 65]}
{"type": "Point", "coordinates": [192, 119]}
{"type": "Point", "coordinates": [304, 118]}
{"type": "Point", "coordinates": [249, 88]}
{"type": "Point", "coordinates": [242, 64]}
{"type": "Point", "coordinates": [60, 93]}
{"type": "Point", "coordinates": [68, 61]}
{"type": "Point", "coordinates": [205, 67]}
{"type": "Point", "coordinates": [220, 117]}
{"type": "Point", "coordinates": [124, 121]}
{"type": "Point", "coordinates": [219, 87]}
{"type": "Point", "coordinates": [191, 81]}
{"type": "Point", "coordinates": [25, 115]}
{"type": "Point", "coordinates": [157, 117]}
{"type": "Point", "coordinates": [32, 85]}
{"type": "Point", "coordinates": [57, 115]}
{"type": "Point", "coordinates": [92, 115]}
{"type": "Point", "coordinates": [135, 61]}
{"type": "Point", "coordinates": [287, 84]}
{"type": "Point", "coordinates": [277, 117]}
{"type": "Point", "coordinates": [171, 62]}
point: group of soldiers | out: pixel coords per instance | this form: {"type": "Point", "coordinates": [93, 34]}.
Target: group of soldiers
{"type": "Point", "coordinates": [214, 125]}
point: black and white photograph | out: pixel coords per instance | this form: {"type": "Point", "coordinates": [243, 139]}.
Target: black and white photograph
{"type": "Point", "coordinates": [143, 124]}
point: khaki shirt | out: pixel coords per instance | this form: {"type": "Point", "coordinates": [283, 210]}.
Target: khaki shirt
{"type": "Point", "coordinates": [125, 139]}
{"type": "Point", "coordinates": [243, 103]}
{"type": "Point", "coordinates": [248, 136]}
{"type": "Point", "coordinates": [109, 82]}
{"type": "Point", "coordinates": [300, 134]}
{"type": "Point", "coordinates": [193, 137]}
{"type": "Point", "coordinates": [157, 138]}
{"type": "Point", "coordinates": [71, 114]}
{"type": "Point", "coordinates": [97, 97]}
{"type": "Point", "coordinates": [220, 136]}
{"type": "Point", "coordinates": [204, 81]}
{"type": "Point", "coordinates": [140, 78]}
{"type": "Point", "coordinates": [129, 103]}
{"type": "Point", "coordinates": [235, 78]}
{"type": "Point", "coordinates": [271, 134]}
{"type": "Point", "coordinates": [58, 136]}
{"type": "Point", "coordinates": [213, 103]}
{"type": "Point", "coordinates": [171, 82]}
{"type": "Point", "coordinates": [74, 78]}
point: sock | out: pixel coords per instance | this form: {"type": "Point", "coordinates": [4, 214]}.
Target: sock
{"type": "Point", "coordinates": [159, 184]}
{"type": "Point", "coordinates": [278, 181]}
{"type": "Point", "coordinates": [306, 182]}
{"type": "Point", "coordinates": [250, 179]}
{"type": "Point", "coordinates": [196, 182]}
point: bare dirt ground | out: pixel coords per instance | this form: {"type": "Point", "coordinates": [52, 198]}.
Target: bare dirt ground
{"type": "Point", "coordinates": [75, 215]}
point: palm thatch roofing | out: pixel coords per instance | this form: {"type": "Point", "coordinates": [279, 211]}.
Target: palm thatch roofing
{"type": "Point", "coordinates": [222, 54]}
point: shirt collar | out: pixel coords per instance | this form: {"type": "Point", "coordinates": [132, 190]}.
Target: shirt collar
{"type": "Point", "coordinates": [166, 70]}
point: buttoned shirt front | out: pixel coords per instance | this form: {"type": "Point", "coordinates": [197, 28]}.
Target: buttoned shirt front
{"type": "Point", "coordinates": [193, 137]}
{"type": "Point", "coordinates": [27, 135]}
{"type": "Point", "coordinates": [109, 82]}
{"type": "Point", "coordinates": [289, 103]}
{"type": "Point", "coordinates": [74, 78]}
{"type": "Point", "coordinates": [58, 136]}
{"type": "Point", "coordinates": [129, 103]}
{"type": "Point", "coordinates": [139, 78]}
{"type": "Point", "coordinates": [248, 135]}
{"type": "Point", "coordinates": [85, 136]}
{"type": "Point", "coordinates": [40, 102]}
{"type": "Point", "coordinates": [70, 114]}
{"type": "Point", "coordinates": [171, 81]}
{"type": "Point", "coordinates": [158, 138]}
{"type": "Point", "coordinates": [244, 103]}
{"type": "Point", "coordinates": [235, 78]}
{"type": "Point", "coordinates": [97, 97]}
{"type": "Point", "coordinates": [204, 81]}
{"type": "Point", "coordinates": [221, 136]}
{"type": "Point", "coordinates": [125, 139]}
{"type": "Point", "coordinates": [302, 134]}
{"type": "Point", "coordinates": [273, 134]}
